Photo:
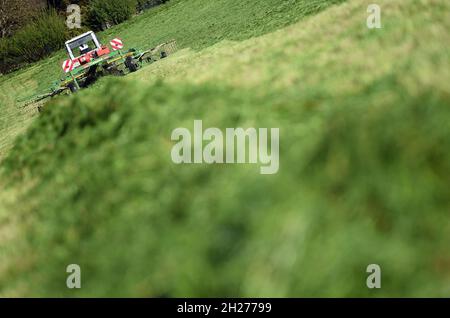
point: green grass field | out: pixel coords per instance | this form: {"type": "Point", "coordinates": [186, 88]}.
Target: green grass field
{"type": "Point", "coordinates": [364, 149]}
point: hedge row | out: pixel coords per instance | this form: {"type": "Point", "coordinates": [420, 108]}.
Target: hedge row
{"type": "Point", "coordinates": [101, 14]}
{"type": "Point", "coordinates": [44, 35]}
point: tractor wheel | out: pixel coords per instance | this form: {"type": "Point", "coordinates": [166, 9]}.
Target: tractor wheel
{"type": "Point", "coordinates": [131, 64]}
{"type": "Point", "coordinates": [163, 54]}
{"type": "Point", "coordinates": [91, 76]}
{"type": "Point", "coordinates": [73, 88]}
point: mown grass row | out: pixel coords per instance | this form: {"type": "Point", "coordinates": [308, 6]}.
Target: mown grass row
{"type": "Point", "coordinates": [348, 194]}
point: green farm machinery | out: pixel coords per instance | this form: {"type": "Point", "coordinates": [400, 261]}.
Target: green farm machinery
{"type": "Point", "coordinates": [89, 60]}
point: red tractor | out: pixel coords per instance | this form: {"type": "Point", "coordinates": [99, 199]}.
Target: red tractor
{"type": "Point", "coordinates": [89, 59]}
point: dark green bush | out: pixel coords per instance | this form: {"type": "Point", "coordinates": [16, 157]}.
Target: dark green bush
{"type": "Point", "coordinates": [9, 59]}
{"type": "Point", "coordinates": [44, 35]}
{"type": "Point", "coordinates": [105, 13]}
{"type": "Point", "coordinates": [4, 49]}
{"type": "Point", "coordinates": [147, 4]}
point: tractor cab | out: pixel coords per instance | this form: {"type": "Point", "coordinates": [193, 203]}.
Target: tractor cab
{"type": "Point", "coordinates": [85, 47]}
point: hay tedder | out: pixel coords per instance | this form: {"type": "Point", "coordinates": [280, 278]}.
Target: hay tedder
{"type": "Point", "coordinates": [89, 60]}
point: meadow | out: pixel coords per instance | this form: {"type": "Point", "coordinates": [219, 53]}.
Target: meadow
{"type": "Point", "coordinates": [364, 158]}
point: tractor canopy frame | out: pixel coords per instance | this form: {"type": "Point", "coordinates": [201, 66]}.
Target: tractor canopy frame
{"type": "Point", "coordinates": [83, 39]}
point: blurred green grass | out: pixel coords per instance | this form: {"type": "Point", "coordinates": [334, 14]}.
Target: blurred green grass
{"type": "Point", "coordinates": [363, 178]}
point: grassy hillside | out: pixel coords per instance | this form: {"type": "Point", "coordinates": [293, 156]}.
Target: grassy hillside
{"type": "Point", "coordinates": [195, 24]}
{"type": "Point", "coordinates": [365, 159]}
